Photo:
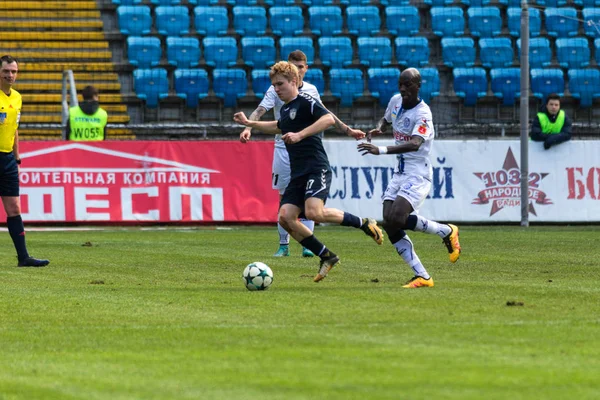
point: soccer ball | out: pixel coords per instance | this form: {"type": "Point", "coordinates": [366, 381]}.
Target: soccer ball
{"type": "Point", "coordinates": [257, 276]}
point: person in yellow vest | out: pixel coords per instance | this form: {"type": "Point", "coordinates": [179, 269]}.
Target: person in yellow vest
{"type": "Point", "coordinates": [551, 125]}
{"type": "Point", "coordinates": [10, 113]}
{"type": "Point", "coordinates": [87, 122]}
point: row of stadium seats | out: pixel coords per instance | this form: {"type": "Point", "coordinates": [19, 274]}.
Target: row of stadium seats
{"type": "Point", "coordinates": [359, 20]}
{"type": "Point", "coordinates": [260, 52]}
{"type": "Point", "coordinates": [477, 3]}
{"type": "Point", "coordinates": [152, 85]}
{"type": "Point", "coordinates": [284, 21]}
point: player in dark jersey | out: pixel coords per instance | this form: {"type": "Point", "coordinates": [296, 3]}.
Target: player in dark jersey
{"type": "Point", "coordinates": [302, 121]}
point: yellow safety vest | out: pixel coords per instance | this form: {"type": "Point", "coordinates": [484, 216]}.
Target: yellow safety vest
{"type": "Point", "coordinates": [552, 127]}
{"type": "Point", "coordinates": [86, 127]}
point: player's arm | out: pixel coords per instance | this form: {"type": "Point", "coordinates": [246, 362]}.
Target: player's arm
{"type": "Point", "coordinates": [413, 144]}
{"type": "Point", "coordinates": [318, 126]}
{"type": "Point", "coordinates": [381, 128]}
{"type": "Point", "coordinates": [343, 128]}
{"type": "Point", "coordinates": [264, 126]}
{"type": "Point", "coordinates": [255, 116]}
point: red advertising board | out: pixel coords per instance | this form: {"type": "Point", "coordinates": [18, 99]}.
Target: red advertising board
{"type": "Point", "coordinates": [150, 181]}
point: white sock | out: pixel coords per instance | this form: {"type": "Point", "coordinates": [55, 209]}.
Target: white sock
{"type": "Point", "coordinates": [406, 250]}
{"type": "Point", "coordinates": [428, 226]}
{"type": "Point", "coordinates": [308, 223]}
{"type": "Point", "coordinates": [284, 237]}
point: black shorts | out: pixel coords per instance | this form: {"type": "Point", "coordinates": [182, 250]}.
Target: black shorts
{"type": "Point", "coordinates": [315, 184]}
{"type": "Point", "coordinates": [9, 175]}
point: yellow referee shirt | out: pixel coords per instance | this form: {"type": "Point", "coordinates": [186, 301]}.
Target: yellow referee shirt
{"type": "Point", "coordinates": [10, 112]}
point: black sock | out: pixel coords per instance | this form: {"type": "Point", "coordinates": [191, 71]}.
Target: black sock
{"type": "Point", "coordinates": [313, 244]}
{"type": "Point", "coordinates": [17, 233]}
{"type": "Point", "coordinates": [397, 236]}
{"type": "Point", "coordinates": [411, 222]}
{"type": "Point", "coordinates": [351, 220]}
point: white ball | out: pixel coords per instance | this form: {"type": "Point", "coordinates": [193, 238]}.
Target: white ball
{"type": "Point", "coordinates": [257, 276]}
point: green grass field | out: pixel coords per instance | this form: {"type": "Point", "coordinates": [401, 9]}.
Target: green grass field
{"type": "Point", "coordinates": [147, 314]}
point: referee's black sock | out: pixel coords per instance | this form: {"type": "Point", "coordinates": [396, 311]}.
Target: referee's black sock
{"type": "Point", "coordinates": [17, 233]}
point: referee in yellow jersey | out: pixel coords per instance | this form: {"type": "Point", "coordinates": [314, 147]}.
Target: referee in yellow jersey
{"type": "Point", "coordinates": [10, 112]}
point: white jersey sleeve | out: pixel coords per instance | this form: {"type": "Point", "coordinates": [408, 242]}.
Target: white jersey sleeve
{"type": "Point", "coordinates": [271, 100]}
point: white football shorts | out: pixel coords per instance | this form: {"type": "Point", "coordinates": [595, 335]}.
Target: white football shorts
{"type": "Point", "coordinates": [413, 188]}
{"type": "Point", "coordinates": [280, 176]}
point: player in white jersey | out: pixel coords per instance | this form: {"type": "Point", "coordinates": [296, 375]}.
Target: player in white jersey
{"type": "Point", "coordinates": [281, 162]}
{"type": "Point", "coordinates": [413, 131]}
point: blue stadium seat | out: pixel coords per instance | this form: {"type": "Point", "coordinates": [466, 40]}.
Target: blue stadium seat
{"type": "Point", "coordinates": [430, 84]}
{"type": "Point", "coordinates": [143, 52]}
{"type": "Point", "coordinates": [412, 51]}
{"type": "Point", "coordinates": [280, 3]}
{"type": "Point", "coordinates": [211, 21]}
{"type": "Point", "coordinates": [514, 21]}
{"type": "Point", "coordinates": [479, 3]}
{"type": "Point", "coordinates": [355, 2]}
{"type": "Point", "coordinates": [346, 84]}
{"type": "Point", "coordinates": [134, 20]}
{"type": "Point", "coordinates": [229, 85]}
{"type": "Point", "coordinates": [540, 53]}
{"type": "Point", "coordinates": [374, 51]}
{"type": "Point", "coordinates": [191, 85]}
{"type": "Point", "coordinates": [470, 84]}
{"type": "Point", "coordinates": [151, 85]}
{"type": "Point", "coordinates": [127, 2]}
{"type": "Point", "coordinates": [584, 84]}
{"type": "Point", "coordinates": [335, 52]}
{"type": "Point", "coordinates": [447, 21]}
{"type": "Point", "coordinates": [458, 52]}
{"type": "Point", "coordinates": [573, 52]}
{"type": "Point", "coordinates": [588, 3]}
{"type": "Point", "coordinates": [220, 52]}
{"type": "Point", "coordinates": [260, 82]}
{"type": "Point", "coordinates": [286, 21]}
{"type": "Point", "coordinates": [442, 3]}
{"type": "Point", "coordinates": [484, 21]}
{"type": "Point", "coordinates": [304, 44]}
{"type": "Point", "coordinates": [496, 53]}
{"type": "Point", "coordinates": [561, 22]}
{"type": "Point", "coordinates": [546, 81]}
{"type": "Point", "coordinates": [166, 2]}
{"type": "Point", "coordinates": [394, 2]}
{"type": "Point", "coordinates": [363, 20]}
{"type": "Point", "coordinates": [597, 50]}
{"type": "Point", "coordinates": [402, 21]}
{"type": "Point", "coordinates": [506, 84]}
{"type": "Point", "coordinates": [383, 83]}
{"type": "Point", "coordinates": [554, 3]}
{"type": "Point", "coordinates": [249, 21]}
{"type": "Point", "coordinates": [315, 76]}
{"type": "Point", "coordinates": [325, 20]}
{"type": "Point", "coordinates": [516, 3]}
{"type": "Point", "coordinates": [258, 52]}
{"type": "Point", "coordinates": [172, 20]}
{"type": "Point", "coordinates": [591, 21]}
{"type": "Point", "coordinates": [317, 2]}
{"type": "Point", "coordinates": [183, 52]}
{"type": "Point", "coordinates": [238, 2]}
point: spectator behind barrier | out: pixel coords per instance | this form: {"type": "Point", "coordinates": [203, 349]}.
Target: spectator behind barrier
{"type": "Point", "coordinates": [87, 122]}
{"type": "Point", "coordinates": [551, 125]}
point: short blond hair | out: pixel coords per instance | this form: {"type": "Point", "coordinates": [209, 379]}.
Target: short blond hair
{"type": "Point", "coordinates": [285, 69]}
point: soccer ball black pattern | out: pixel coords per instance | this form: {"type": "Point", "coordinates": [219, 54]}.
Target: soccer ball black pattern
{"type": "Point", "coordinates": [257, 276]}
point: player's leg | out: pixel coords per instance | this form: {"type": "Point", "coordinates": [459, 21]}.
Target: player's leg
{"type": "Point", "coordinates": [396, 210]}
{"type": "Point", "coordinates": [415, 193]}
{"type": "Point", "coordinates": [318, 189]}
{"type": "Point", "coordinates": [280, 178]}
{"type": "Point", "coordinates": [9, 191]}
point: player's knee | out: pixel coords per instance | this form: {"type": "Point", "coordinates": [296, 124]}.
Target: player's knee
{"type": "Point", "coordinates": [393, 222]}
{"type": "Point", "coordinates": [314, 214]}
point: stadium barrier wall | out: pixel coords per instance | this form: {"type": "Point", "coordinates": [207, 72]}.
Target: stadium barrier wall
{"type": "Point", "coordinates": [478, 181]}
{"type": "Point", "coordinates": [147, 181]}
{"type": "Point", "coordinates": [226, 181]}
